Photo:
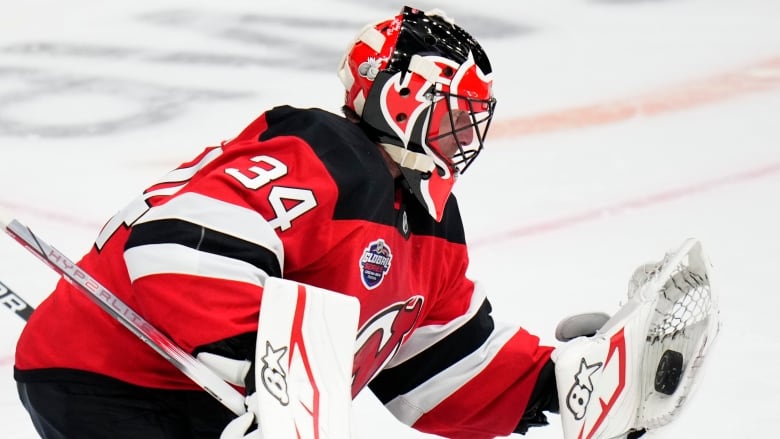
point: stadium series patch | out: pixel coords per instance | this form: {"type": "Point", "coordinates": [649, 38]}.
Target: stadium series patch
{"type": "Point", "coordinates": [375, 263]}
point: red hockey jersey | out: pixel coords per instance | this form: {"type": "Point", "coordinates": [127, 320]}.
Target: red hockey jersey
{"type": "Point", "coordinates": [305, 195]}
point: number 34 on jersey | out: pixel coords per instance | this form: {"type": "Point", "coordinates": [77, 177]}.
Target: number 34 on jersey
{"type": "Point", "coordinates": [288, 203]}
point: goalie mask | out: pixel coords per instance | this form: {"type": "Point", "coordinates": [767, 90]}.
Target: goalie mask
{"type": "Point", "coordinates": [422, 88]}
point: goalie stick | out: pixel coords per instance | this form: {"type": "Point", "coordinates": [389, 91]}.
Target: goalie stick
{"type": "Point", "coordinates": [100, 295]}
{"type": "Point", "coordinates": [14, 303]}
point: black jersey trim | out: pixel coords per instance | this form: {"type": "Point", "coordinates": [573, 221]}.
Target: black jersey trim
{"type": "Point", "coordinates": [405, 377]}
{"type": "Point", "coordinates": [176, 231]}
{"type": "Point", "coordinates": [66, 376]}
{"type": "Point", "coordinates": [239, 347]}
{"type": "Point", "coordinates": [366, 188]}
{"type": "Point", "coordinates": [365, 185]}
{"type": "Point", "coordinates": [421, 223]}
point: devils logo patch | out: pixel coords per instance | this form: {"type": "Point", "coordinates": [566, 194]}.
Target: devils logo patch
{"type": "Point", "coordinates": [375, 263]}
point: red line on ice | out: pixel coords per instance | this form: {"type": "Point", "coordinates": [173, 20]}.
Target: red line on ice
{"type": "Point", "coordinates": [753, 78]}
{"type": "Point", "coordinates": [627, 206]}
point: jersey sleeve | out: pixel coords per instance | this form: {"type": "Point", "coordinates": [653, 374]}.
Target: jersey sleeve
{"type": "Point", "coordinates": [461, 374]}
{"type": "Point", "coordinates": [199, 257]}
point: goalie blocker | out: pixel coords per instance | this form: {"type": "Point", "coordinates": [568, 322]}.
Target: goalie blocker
{"type": "Point", "coordinates": [638, 370]}
{"type": "Point", "coordinates": [303, 365]}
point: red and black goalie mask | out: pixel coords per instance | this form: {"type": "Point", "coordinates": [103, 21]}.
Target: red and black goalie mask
{"type": "Point", "coordinates": [423, 89]}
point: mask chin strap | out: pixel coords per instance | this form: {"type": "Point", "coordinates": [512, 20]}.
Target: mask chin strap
{"type": "Point", "coordinates": [409, 159]}
{"type": "Point", "coordinates": [414, 166]}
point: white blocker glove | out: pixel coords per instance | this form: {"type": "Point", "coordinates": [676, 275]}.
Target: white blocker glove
{"type": "Point", "coordinates": [244, 426]}
{"type": "Point", "coordinates": [235, 372]}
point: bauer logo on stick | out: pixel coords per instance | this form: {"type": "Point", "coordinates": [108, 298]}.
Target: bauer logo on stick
{"type": "Point", "coordinates": [15, 303]}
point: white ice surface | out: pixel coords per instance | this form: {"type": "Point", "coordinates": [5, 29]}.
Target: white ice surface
{"type": "Point", "coordinates": [661, 122]}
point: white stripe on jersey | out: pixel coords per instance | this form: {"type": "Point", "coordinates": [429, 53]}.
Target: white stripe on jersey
{"type": "Point", "coordinates": [185, 174]}
{"type": "Point", "coordinates": [411, 406]}
{"type": "Point", "coordinates": [152, 259]}
{"type": "Point", "coordinates": [220, 216]}
{"type": "Point", "coordinates": [426, 336]}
